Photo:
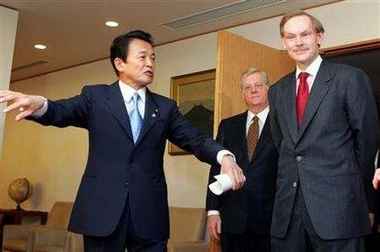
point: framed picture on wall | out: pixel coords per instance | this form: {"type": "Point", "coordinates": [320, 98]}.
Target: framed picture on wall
{"type": "Point", "coordinates": [195, 96]}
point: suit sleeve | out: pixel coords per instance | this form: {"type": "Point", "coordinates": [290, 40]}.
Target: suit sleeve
{"type": "Point", "coordinates": [362, 116]}
{"type": "Point", "coordinates": [212, 200]}
{"type": "Point", "coordinates": [186, 136]}
{"type": "Point", "coordinates": [72, 111]}
{"type": "Point", "coordinates": [275, 128]}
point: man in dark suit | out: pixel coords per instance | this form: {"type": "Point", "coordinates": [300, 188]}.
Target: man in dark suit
{"type": "Point", "coordinates": [323, 119]}
{"type": "Point", "coordinates": [241, 219]}
{"type": "Point", "coordinates": [122, 198]}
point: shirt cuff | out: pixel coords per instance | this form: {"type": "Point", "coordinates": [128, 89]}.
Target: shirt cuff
{"type": "Point", "coordinates": [223, 153]}
{"type": "Point", "coordinates": [42, 110]}
{"type": "Point", "coordinates": [213, 212]}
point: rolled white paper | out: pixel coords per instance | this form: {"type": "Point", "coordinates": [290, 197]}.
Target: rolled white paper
{"type": "Point", "coordinates": [223, 183]}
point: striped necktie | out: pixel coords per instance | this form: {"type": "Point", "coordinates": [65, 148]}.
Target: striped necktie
{"type": "Point", "coordinates": [135, 117]}
{"type": "Point", "coordinates": [253, 136]}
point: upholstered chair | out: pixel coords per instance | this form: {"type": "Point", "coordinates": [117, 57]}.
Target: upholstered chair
{"type": "Point", "coordinates": [187, 230]}
{"type": "Point", "coordinates": [50, 237]}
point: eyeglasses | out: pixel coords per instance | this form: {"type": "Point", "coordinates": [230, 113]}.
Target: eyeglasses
{"type": "Point", "coordinates": [257, 87]}
{"type": "Point", "coordinates": [291, 38]}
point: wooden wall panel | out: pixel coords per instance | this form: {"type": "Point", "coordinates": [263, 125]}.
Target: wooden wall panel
{"type": "Point", "coordinates": [235, 54]}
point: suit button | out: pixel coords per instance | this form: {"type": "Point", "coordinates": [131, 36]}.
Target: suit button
{"type": "Point", "coordinates": [126, 184]}
{"type": "Point", "coordinates": [294, 184]}
{"type": "Point", "coordinates": [298, 158]}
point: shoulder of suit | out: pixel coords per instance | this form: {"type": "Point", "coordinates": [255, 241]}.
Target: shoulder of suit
{"type": "Point", "coordinates": [334, 66]}
{"type": "Point", "coordinates": [235, 118]}
{"type": "Point", "coordinates": [283, 82]}
{"type": "Point", "coordinates": [160, 99]}
{"type": "Point", "coordinates": [158, 96]}
{"type": "Point", "coordinates": [96, 87]}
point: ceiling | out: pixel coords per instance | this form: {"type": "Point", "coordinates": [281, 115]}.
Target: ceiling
{"type": "Point", "coordinates": [75, 32]}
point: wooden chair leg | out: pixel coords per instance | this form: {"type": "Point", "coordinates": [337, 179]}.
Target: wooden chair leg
{"type": "Point", "coordinates": [215, 245]}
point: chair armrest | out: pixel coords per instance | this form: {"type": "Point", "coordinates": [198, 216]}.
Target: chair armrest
{"type": "Point", "coordinates": [17, 232]}
{"type": "Point", "coordinates": [74, 243]}
{"type": "Point", "coordinates": [196, 246]}
{"type": "Point", "coordinates": [48, 237]}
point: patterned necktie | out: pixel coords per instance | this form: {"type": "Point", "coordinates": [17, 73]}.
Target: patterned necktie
{"type": "Point", "coordinates": [135, 117]}
{"type": "Point", "coordinates": [253, 136]}
{"type": "Point", "coordinates": [302, 96]}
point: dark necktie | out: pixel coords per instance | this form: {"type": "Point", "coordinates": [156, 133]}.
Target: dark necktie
{"type": "Point", "coordinates": [302, 96]}
{"type": "Point", "coordinates": [135, 117]}
{"type": "Point", "coordinates": [253, 136]}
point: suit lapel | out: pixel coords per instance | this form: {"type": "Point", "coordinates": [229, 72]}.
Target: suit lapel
{"type": "Point", "coordinates": [263, 139]}
{"type": "Point", "coordinates": [317, 93]}
{"type": "Point", "coordinates": [115, 102]}
{"type": "Point", "coordinates": [240, 134]}
{"type": "Point", "coordinates": [289, 108]}
{"type": "Point", "coordinates": [151, 116]}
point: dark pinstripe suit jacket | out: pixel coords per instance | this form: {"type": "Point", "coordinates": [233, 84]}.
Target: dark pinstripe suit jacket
{"type": "Point", "coordinates": [331, 155]}
{"type": "Point", "coordinates": [249, 208]}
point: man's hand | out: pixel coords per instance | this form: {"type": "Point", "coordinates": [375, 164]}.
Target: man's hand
{"type": "Point", "coordinates": [214, 226]}
{"type": "Point", "coordinates": [376, 179]}
{"type": "Point", "coordinates": [230, 167]}
{"type": "Point", "coordinates": [26, 104]}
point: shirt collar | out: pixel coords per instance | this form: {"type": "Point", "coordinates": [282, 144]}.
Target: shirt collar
{"type": "Point", "coordinates": [313, 68]}
{"type": "Point", "coordinates": [127, 92]}
{"type": "Point", "coordinates": [261, 115]}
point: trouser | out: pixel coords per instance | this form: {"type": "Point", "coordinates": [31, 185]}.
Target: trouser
{"type": "Point", "coordinates": [123, 237]}
{"type": "Point", "coordinates": [301, 235]}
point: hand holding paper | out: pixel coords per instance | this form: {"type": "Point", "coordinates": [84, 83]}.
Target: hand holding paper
{"type": "Point", "coordinates": [223, 183]}
{"type": "Point", "coordinates": [234, 172]}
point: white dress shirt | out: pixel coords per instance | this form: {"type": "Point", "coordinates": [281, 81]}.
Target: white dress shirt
{"type": "Point", "coordinates": [312, 70]}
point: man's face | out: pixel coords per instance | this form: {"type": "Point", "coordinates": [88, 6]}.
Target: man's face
{"type": "Point", "coordinates": [301, 41]}
{"type": "Point", "coordinates": [255, 92]}
{"type": "Point", "coordinates": [138, 69]}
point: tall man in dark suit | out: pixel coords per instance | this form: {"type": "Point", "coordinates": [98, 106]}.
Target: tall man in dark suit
{"type": "Point", "coordinates": [324, 125]}
{"type": "Point", "coordinates": [122, 198]}
{"type": "Point", "coordinates": [241, 219]}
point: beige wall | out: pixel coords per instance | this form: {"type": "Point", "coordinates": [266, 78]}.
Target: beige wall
{"type": "Point", "coordinates": [53, 159]}
{"type": "Point", "coordinates": [345, 22]}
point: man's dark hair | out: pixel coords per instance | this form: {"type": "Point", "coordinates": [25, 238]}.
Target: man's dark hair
{"type": "Point", "coordinates": [120, 45]}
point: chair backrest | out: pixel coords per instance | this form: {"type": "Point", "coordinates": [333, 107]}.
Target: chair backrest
{"type": "Point", "coordinates": [59, 215]}
{"type": "Point", "coordinates": [187, 224]}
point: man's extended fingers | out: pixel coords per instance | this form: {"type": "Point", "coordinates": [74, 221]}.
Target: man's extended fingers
{"type": "Point", "coordinates": [6, 95]}
{"type": "Point", "coordinates": [376, 179]}
{"type": "Point", "coordinates": [13, 106]}
{"type": "Point", "coordinates": [375, 182]}
{"type": "Point", "coordinates": [23, 114]}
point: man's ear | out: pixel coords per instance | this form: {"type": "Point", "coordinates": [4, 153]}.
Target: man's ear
{"type": "Point", "coordinates": [119, 64]}
{"type": "Point", "coordinates": [320, 38]}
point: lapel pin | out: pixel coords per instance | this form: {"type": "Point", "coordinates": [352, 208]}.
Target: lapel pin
{"type": "Point", "coordinates": [155, 113]}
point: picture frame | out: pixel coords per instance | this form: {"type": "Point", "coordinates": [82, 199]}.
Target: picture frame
{"type": "Point", "coordinates": [195, 97]}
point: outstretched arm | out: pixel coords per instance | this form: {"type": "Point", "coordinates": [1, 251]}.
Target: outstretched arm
{"type": "Point", "coordinates": [26, 104]}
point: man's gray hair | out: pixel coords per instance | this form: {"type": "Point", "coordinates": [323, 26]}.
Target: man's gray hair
{"type": "Point", "coordinates": [251, 71]}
